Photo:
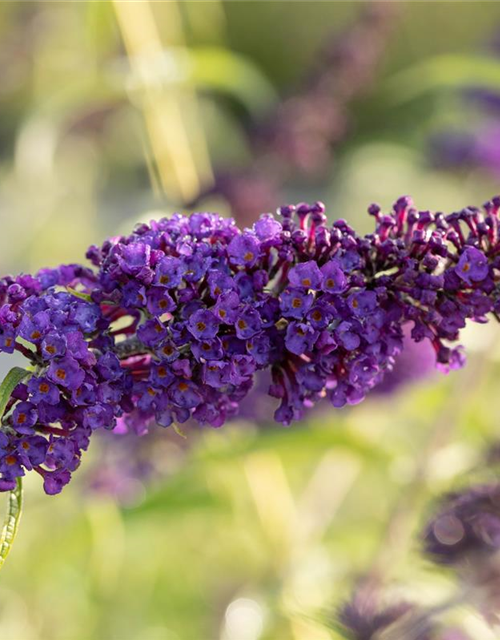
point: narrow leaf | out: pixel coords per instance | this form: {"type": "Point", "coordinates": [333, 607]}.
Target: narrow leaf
{"type": "Point", "coordinates": [449, 71]}
{"type": "Point", "coordinates": [11, 522]}
{"type": "Point", "coordinates": [215, 68]}
{"type": "Point", "coordinates": [11, 380]}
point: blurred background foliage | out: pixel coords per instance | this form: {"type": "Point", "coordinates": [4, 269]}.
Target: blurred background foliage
{"type": "Point", "coordinates": [111, 112]}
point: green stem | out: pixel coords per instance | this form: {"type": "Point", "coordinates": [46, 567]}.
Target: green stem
{"type": "Point", "coordinates": [79, 294]}
{"type": "Point", "coordinates": [11, 520]}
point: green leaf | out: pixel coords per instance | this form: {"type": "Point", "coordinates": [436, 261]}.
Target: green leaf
{"type": "Point", "coordinates": [11, 380]}
{"type": "Point", "coordinates": [228, 72]}
{"type": "Point", "coordinates": [442, 72]}
{"type": "Point", "coordinates": [11, 522]}
{"type": "Point", "coordinates": [212, 69]}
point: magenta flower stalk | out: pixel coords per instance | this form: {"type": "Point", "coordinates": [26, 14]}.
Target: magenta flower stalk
{"type": "Point", "coordinates": [172, 322]}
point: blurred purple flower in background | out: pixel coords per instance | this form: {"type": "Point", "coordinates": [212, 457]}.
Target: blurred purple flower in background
{"type": "Point", "coordinates": [365, 618]}
{"type": "Point", "coordinates": [465, 535]}
{"type": "Point", "coordinates": [472, 146]}
{"type": "Point", "coordinates": [467, 526]}
{"type": "Point", "coordinates": [459, 149]}
{"type": "Point", "coordinates": [126, 464]}
{"type": "Point", "coordinates": [299, 137]}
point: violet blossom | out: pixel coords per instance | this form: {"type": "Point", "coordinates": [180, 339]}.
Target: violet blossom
{"type": "Point", "coordinates": [175, 321]}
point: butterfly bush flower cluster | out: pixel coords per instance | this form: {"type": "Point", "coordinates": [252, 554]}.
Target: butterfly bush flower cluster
{"type": "Point", "coordinates": [173, 322]}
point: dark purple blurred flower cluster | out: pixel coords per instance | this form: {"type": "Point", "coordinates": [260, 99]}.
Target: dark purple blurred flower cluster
{"type": "Point", "coordinates": [175, 320]}
{"type": "Point", "coordinates": [460, 149]}
{"type": "Point", "coordinates": [305, 126]}
{"type": "Point", "coordinates": [364, 617]}
{"type": "Point", "coordinates": [126, 464]}
{"type": "Point", "coordinates": [473, 145]}
{"type": "Point", "coordinates": [467, 525]}
{"type": "Point", "coordinates": [465, 536]}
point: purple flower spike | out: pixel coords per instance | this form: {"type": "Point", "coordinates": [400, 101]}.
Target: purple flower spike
{"type": "Point", "coordinates": [186, 312]}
